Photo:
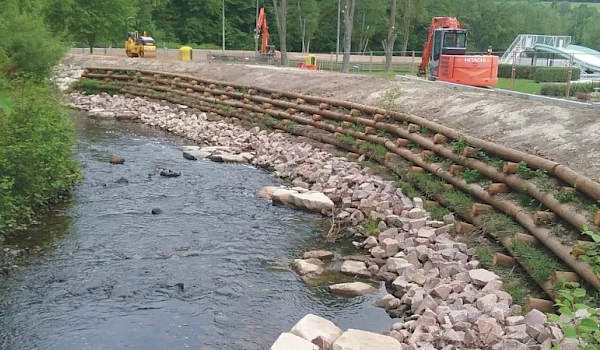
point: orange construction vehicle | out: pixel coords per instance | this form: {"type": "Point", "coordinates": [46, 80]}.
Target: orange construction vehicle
{"type": "Point", "coordinates": [263, 29]}
{"type": "Point", "coordinates": [444, 56]}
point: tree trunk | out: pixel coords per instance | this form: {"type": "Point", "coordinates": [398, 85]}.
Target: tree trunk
{"type": "Point", "coordinates": [91, 42]}
{"type": "Point", "coordinates": [406, 25]}
{"type": "Point", "coordinates": [391, 38]}
{"type": "Point", "coordinates": [280, 16]}
{"type": "Point", "coordinates": [349, 7]}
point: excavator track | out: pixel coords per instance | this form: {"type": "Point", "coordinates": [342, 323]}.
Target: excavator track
{"type": "Point", "coordinates": [546, 205]}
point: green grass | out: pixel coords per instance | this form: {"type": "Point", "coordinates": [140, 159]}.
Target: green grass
{"type": "Point", "coordinates": [541, 261]}
{"type": "Point", "coordinates": [437, 212]}
{"type": "Point", "coordinates": [371, 227]}
{"type": "Point", "coordinates": [520, 85]}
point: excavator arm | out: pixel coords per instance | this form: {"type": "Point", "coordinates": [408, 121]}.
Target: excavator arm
{"type": "Point", "coordinates": [263, 29]}
{"type": "Point", "coordinates": [436, 22]}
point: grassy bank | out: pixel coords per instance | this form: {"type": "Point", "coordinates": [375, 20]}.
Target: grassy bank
{"type": "Point", "coordinates": [37, 136]}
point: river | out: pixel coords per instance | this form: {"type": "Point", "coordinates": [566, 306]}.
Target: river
{"type": "Point", "coordinates": [210, 272]}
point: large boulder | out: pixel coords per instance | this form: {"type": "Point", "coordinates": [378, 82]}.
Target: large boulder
{"type": "Point", "coordinates": [195, 154]}
{"type": "Point", "coordinates": [354, 339]}
{"type": "Point", "coordinates": [352, 289]}
{"type": "Point", "coordinates": [282, 195]}
{"type": "Point", "coordinates": [318, 254]}
{"type": "Point", "coordinates": [304, 267]}
{"type": "Point", "coordinates": [289, 341]}
{"type": "Point", "coordinates": [355, 268]}
{"type": "Point", "coordinates": [228, 158]}
{"type": "Point", "coordinates": [312, 326]}
{"type": "Point", "coordinates": [313, 201]}
{"type": "Point", "coordinates": [267, 192]}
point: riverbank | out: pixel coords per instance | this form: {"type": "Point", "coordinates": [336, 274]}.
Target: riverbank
{"type": "Point", "coordinates": [433, 280]}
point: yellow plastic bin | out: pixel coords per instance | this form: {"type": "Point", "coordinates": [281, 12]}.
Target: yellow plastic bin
{"type": "Point", "coordinates": [185, 53]}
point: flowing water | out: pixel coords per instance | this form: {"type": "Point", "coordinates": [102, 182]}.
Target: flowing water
{"type": "Point", "coordinates": [210, 272]}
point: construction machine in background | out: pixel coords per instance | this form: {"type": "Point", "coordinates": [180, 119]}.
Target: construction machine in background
{"type": "Point", "coordinates": [138, 45]}
{"type": "Point", "coordinates": [266, 50]}
{"type": "Point", "coordinates": [444, 56]}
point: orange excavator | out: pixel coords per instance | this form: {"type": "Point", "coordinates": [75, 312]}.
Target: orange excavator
{"type": "Point", "coordinates": [263, 29]}
{"type": "Point", "coordinates": [444, 56]}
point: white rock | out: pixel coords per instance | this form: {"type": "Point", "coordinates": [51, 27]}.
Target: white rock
{"type": "Point", "coordinates": [195, 155]}
{"type": "Point", "coordinates": [289, 341]}
{"type": "Point", "coordinates": [304, 267]}
{"type": "Point", "coordinates": [355, 268]}
{"type": "Point", "coordinates": [282, 195]}
{"type": "Point", "coordinates": [354, 339]}
{"type": "Point", "coordinates": [228, 158]}
{"type": "Point", "coordinates": [318, 254]}
{"type": "Point", "coordinates": [482, 276]}
{"type": "Point", "coordinates": [313, 326]}
{"type": "Point", "coordinates": [266, 192]}
{"type": "Point", "coordinates": [352, 289]}
{"type": "Point", "coordinates": [314, 201]}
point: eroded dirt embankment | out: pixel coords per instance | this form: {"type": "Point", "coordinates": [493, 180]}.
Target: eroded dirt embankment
{"type": "Point", "coordinates": [565, 134]}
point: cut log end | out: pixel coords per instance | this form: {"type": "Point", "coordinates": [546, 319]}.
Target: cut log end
{"type": "Point", "coordinates": [414, 128]}
{"type": "Point", "coordinates": [597, 219]}
{"type": "Point", "coordinates": [464, 227]}
{"type": "Point", "coordinates": [378, 118]}
{"type": "Point", "coordinates": [416, 169]}
{"type": "Point", "coordinates": [250, 91]}
{"type": "Point", "coordinates": [543, 305]}
{"type": "Point", "coordinates": [496, 188]}
{"type": "Point", "coordinates": [468, 152]}
{"type": "Point", "coordinates": [426, 153]}
{"type": "Point", "coordinates": [456, 169]}
{"type": "Point", "coordinates": [564, 276]}
{"type": "Point", "coordinates": [323, 106]}
{"type": "Point", "coordinates": [503, 260]}
{"type": "Point", "coordinates": [440, 139]}
{"type": "Point", "coordinates": [526, 239]}
{"type": "Point", "coordinates": [401, 142]}
{"type": "Point", "coordinates": [317, 117]}
{"type": "Point", "coordinates": [480, 208]}
{"type": "Point", "coordinates": [300, 101]}
{"type": "Point", "coordinates": [541, 218]}
{"type": "Point", "coordinates": [370, 130]}
{"type": "Point", "coordinates": [510, 168]}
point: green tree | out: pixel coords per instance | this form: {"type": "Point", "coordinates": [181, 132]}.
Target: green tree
{"type": "Point", "coordinates": [92, 21]}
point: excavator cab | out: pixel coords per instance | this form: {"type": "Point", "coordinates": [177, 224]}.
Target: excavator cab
{"type": "Point", "coordinates": [446, 42]}
{"type": "Point", "coordinates": [445, 59]}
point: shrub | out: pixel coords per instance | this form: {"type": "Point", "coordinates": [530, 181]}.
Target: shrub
{"type": "Point", "coordinates": [521, 72]}
{"type": "Point", "coordinates": [555, 74]}
{"type": "Point", "coordinates": [36, 145]}
{"type": "Point", "coordinates": [558, 90]}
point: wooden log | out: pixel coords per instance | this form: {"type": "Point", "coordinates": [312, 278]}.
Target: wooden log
{"type": "Point", "coordinates": [275, 95]}
{"type": "Point", "coordinates": [352, 156]}
{"type": "Point", "coordinates": [250, 91]}
{"type": "Point", "coordinates": [355, 112]}
{"type": "Point", "coordinates": [378, 118]}
{"type": "Point", "coordinates": [346, 125]}
{"type": "Point", "coordinates": [456, 169]}
{"type": "Point", "coordinates": [223, 97]}
{"type": "Point", "coordinates": [214, 86]}
{"type": "Point", "coordinates": [229, 89]}
{"type": "Point", "coordinates": [370, 131]}
{"type": "Point", "coordinates": [267, 105]}
{"type": "Point", "coordinates": [189, 91]}
{"type": "Point", "coordinates": [510, 168]}
{"type": "Point", "coordinates": [564, 276]}
{"type": "Point", "coordinates": [469, 152]}
{"type": "Point", "coordinates": [247, 101]}
{"type": "Point", "coordinates": [323, 106]}
{"type": "Point", "coordinates": [401, 142]}
{"type": "Point", "coordinates": [463, 227]}
{"type": "Point", "coordinates": [440, 139]}
{"type": "Point", "coordinates": [597, 218]}
{"type": "Point", "coordinates": [581, 248]}
{"type": "Point", "coordinates": [543, 305]}
{"type": "Point", "coordinates": [544, 217]}
{"type": "Point", "coordinates": [426, 153]}
{"type": "Point", "coordinates": [416, 169]}
{"type": "Point", "coordinates": [391, 157]}
{"type": "Point", "coordinates": [503, 260]}
{"type": "Point", "coordinates": [526, 239]}
{"type": "Point", "coordinates": [479, 208]}
{"type": "Point", "coordinates": [414, 128]}
{"type": "Point", "coordinates": [207, 94]}
{"type": "Point", "coordinates": [496, 188]}
{"type": "Point", "coordinates": [318, 118]}
{"type": "Point", "coordinates": [194, 82]}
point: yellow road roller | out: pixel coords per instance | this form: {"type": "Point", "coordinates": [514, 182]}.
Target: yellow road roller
{"type": "Point", "coordinates": [139, 45]}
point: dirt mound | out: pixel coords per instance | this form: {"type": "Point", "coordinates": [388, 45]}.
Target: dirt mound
{"type": "Point", "coordinates": [566, 134]}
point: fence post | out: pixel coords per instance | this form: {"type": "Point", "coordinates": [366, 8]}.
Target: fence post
{"type": "Point", "coordinates": [371, 63]}
{"type": "Point", "coordinates": [569, 75]}
{"type": "Point", "coordinates": [512, 72]}
{"type": "Point", "coordinates": [331, 61]}
{"type": "Point", "coordinates": [412, 63]}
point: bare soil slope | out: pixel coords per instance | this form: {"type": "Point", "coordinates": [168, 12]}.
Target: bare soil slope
{"type": "Point", "coordinates": [569, 135]}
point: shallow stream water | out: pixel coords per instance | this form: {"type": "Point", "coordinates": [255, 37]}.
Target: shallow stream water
{"type": "Point", "coordinates": [210, 272]}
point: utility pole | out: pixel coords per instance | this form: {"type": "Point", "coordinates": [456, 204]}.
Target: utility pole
{"type": "Point", "coordinates": [337, 45]}
{"type": "Point", "coordinates": [223, 28]}
{"type": "Point", "coordinates": [256, 33]}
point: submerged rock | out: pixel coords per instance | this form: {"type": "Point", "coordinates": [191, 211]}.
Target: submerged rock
{"type": "Point", "coordinates": [117, 159]}
{"type": "Point", "coordinates": [122, 180]}
{"type": "Point", "coordinates": [156, 211]}
{"type": "Point", "coordinates": [169, 173]}
{"type": "Point", "coordinates": [352, 289]}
